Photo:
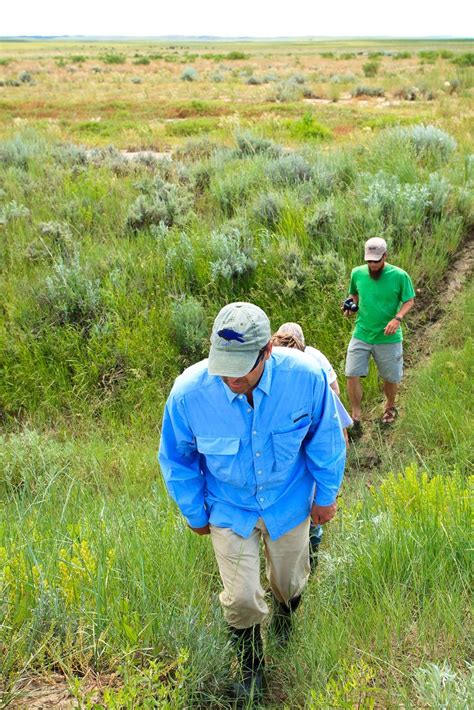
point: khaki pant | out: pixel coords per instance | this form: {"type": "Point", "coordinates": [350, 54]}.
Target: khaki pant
{"type": "Point", "coordinates": [287, 570]}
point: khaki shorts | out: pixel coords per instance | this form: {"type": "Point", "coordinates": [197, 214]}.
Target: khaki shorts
{"type": "Point", "coordinates": [388, 358]}
{"type": "Point", "coordinates": [287, 570]}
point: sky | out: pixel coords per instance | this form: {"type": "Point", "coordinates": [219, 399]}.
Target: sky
{"type": "Point", "coordinates": [252, 18]}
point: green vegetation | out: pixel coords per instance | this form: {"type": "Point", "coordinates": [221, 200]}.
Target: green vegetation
{"type": "Point", "coordinates": [111, 271]}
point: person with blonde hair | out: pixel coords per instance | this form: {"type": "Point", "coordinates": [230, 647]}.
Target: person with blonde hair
{"type": "Point", "coordinates": [290, 335]}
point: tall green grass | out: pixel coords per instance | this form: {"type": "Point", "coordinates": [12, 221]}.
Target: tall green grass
{"type": "Point", "coordinates": [110, 275]}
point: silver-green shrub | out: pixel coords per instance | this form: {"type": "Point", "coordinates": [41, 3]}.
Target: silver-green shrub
{"type": "Point", "coordinates": [290, 169]}
{"type": "Point", "coordinates": [395, 202]}
{"type": "Point", "coordinates": [268, 209]}
{"type": "Point", "coordinates": [189, 74]}
{"type": "Point", "coordinates": [319, 223]}
{"type": "Point", "coordinates": [248, 145]}
{"type": "Point", "coordinates": [12, 210]}
{"type": "Point", "coordinates": [232, 253]}
{"type": "Point", "coordinates": [29, 460]}
{"type": "Point", "coordinates": [71, 296]}
{"type": "Point", "coordinates": [287, 92]}
{"type": "Point", "coordinates": [166, 202]}
{"type": "Point", "coordinates": [189, 324]}
{"type": "Point", "coordinates": [439, 687]}
{"type": "Point", "coordinates": [428, 141]}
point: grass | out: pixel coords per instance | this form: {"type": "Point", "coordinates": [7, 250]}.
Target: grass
{"type": "Point", "coordinates": [111, 272]}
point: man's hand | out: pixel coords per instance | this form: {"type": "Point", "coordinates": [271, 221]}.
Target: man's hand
{"type": "Point", "coordinates": [392, 327]}
{"type": "Point", "coordinates": [201, 531]}
{"type": "Point", "coordinates": [321, 514]}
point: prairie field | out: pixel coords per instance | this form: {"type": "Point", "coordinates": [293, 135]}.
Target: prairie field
{"type": "Point", "coordinates": [142, 186]}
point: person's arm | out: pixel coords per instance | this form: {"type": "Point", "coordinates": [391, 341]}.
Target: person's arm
{"type": "Point", "coordinates": [352, 294]}
{"type": "Point", "coordinates": [179, 461]}
{"type": "Point", "coordinates": [335, 387]}
{"type": "Point", "coordinates": [325, 451]}
{"type": "Point", "coordinates": [393, 325]}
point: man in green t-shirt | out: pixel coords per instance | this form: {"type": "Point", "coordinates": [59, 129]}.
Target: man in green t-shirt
{"type": "Point", "coordinates": [384, 294]}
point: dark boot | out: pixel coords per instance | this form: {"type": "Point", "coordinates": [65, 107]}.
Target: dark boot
{"type": "Point", "coordinates": [315, 538]}
{"type": "Point", "coordinates": [282, 620]}
{"type": "Point", "coordinates": [249, 647]}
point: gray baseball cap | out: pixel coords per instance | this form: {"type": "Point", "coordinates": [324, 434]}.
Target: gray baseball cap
{"type": "Point", "coordinates": [375, 248]}
{"type": "Point", "coordinates": [239, 332]}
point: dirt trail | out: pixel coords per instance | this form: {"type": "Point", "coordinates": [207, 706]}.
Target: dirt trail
{"type": "Point", "coordinates": [425, 323]}
{"type": "Point", "coordinates": [429, 314]}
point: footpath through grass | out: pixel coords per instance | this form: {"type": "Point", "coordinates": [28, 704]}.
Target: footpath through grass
{"type": "Point", "coordinates": [110, 274]}
{"type": "Point", "coordinates": [102, 574]}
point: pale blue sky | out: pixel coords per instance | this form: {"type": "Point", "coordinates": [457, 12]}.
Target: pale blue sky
{"type": "Point", "coordinates": [256, 18]}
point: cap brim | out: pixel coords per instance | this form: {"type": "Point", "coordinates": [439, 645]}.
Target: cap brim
{"type": "Point", "coordinates": [373, 257]}
{"type": "Point", "coordinates": [230, 363]}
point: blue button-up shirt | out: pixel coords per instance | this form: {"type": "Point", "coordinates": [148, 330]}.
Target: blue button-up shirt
{"type": "Point", "coordinates": [228, 463]}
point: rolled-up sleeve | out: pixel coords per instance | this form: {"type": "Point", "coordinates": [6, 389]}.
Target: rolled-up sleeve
{"type": "Point", "coordinates": [325, 448]}
{"type": "Point", "coordinates": [179, 461]}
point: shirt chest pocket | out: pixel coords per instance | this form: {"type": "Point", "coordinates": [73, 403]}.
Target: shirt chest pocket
{"type": "Point", "coordinates": [287, 444]}
{"type": "Point", "coordinates": [222, 457]}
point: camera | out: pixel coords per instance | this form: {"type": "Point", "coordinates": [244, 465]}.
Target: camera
{"type": "Point", "coordinates": [349, 305]}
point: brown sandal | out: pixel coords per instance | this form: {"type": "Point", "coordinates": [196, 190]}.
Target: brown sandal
{"type": "Point", "coordinates": [389, 416]}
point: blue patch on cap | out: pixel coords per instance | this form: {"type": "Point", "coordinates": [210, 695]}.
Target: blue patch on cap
{"type": "Point", "coordinates": [229, 334]}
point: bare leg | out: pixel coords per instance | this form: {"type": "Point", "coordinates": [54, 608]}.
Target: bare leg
{"type": "Point", "coordinates": [390, 389]}
{"type": "Point", "coordinates": [354, 391]}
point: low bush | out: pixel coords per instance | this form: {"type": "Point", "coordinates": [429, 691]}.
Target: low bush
{"type": "Point", "coordinates": [70, 296]}
{"type": "Point", "coordinates": [429, 141]}
{"type": "Point", "coordinates": [196, 149]}
{"type": "Point", "coordinates": [289, 169]}
{"type": "Point", "coordinates": [333, 173]}
{"type": "Point", "coordinates": [288, 92]}
{"type": "Point", "coordinates": [190, 327]}
{"type": "Point", "coordinates": [428, 55]}
{"type": "Point", "coordinates": [348, 78]}
{"type": "Point", "coordinates": [231, 253]}
{"type": "Point", "coordinates": [236, 55]}
{"type": "Point", "coordinates": [320, 222]}
{"type": "Point", "coordinates": [249, 145]}
{"type": "Point", "coordinates": [12, 210]}
{"type": "Point", "coordinates": [268, 209]}
{"type": "Point", "coordinates": [368, 91]}
{"type": "Point", "coordinates": [113, 58]}
{"type": "Point", "coordinates": [464, 60]}
{"type": "Point", "coordinates": [190, 126]}
{"type": "Point", "coordinates": [370, 69]}
{"type": "Point", "coordinates": [189, 74]}
{"type": "Point", "coordinates": [59, 237]}
{"type": "Point", "coordinates": [141, 61]}
{"type": "Point", "coordinates": [164, 203]}
{"type": "Point", "coordinates": [308, 128]}
{"type": "Point", "coordinates": [440, 686]}
{"type": "Point", "coordinates": [30, 461]}
{"type": "Point", "coordinates": [25, 77]}
{"type": "Point", "coordinates": [407, 93]}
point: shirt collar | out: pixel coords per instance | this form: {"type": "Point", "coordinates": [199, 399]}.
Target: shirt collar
{"type": "Point", "coordinates": [264, 384]}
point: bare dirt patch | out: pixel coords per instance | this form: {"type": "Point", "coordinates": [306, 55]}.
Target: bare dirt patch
{"type": "Point", "coordinates": [54, 691]}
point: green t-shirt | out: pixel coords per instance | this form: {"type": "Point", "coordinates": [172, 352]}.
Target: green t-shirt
{"type": "Point", "coordinates": [379, 301]}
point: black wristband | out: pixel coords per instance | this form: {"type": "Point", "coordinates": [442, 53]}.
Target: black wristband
{"type": "Point", "coordinates": [398, 318]}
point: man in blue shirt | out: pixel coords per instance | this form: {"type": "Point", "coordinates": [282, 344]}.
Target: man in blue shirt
{"type": "Point", "coordinates": [251, 448]}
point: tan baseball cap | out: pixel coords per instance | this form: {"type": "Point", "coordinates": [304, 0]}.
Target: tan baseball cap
{"type": "Point", "coordinates": [239, 332]}
{"type": "Point", "coordinates": [375, 248]}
